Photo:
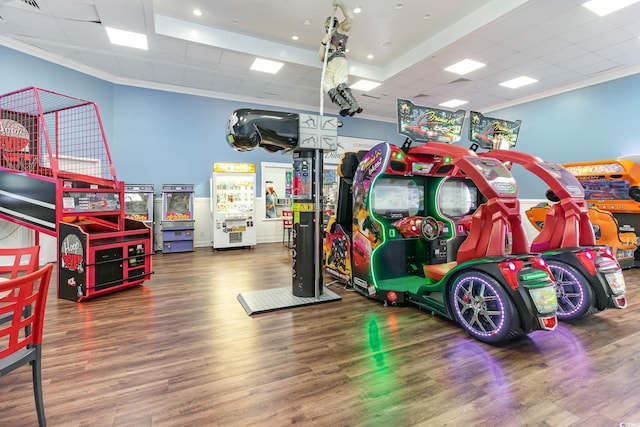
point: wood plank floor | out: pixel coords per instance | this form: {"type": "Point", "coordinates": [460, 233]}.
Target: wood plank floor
{"type": "Point", "coordinates": [181, 351]}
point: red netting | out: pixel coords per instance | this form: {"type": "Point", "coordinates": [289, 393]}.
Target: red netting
{"type": "Point", "coordinates": [55, 135]}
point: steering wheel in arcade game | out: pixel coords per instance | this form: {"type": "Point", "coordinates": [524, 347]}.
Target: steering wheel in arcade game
{"type": "Point", "coordinates": [430, 228]}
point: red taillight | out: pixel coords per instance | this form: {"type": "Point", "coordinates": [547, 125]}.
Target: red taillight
{"type": "Point", "coordinates": [392, 296]}
{"type": "Point", "coordinates": [549, 323]}
{"type": "Point", "coordinates": [587, 258]}
{"type": "Point", "coordinates": [620, 302]}
{"type": "Point", "coordinates": [510, 271]}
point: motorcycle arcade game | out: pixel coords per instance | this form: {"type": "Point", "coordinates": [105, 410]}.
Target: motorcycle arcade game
{"type": "Point", "coordinates": [57, 178]}
{"type": "Point", "coordinates": [587, 276]}
{"type": "Point", "coordinates": [428, 227]}
{"type": "Point", "coordinates": [306, 136]}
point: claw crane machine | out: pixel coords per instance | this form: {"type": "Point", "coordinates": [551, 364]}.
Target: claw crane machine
{"type": "Point", "coordinates": [233, 204]}
{"type": "Point", "coordinates": [138, 204]}
{"type": "Point", "coordinates": [178, 223]}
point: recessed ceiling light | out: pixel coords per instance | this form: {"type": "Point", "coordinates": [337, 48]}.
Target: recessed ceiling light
{"type": "Point", "coordinates": [127, 38]}
{"type": "Point", "coordinates": [294, 37]}
{"type": "Point", "coordinates": [357, 9]}
{"type": "Point", "coordinates": [307, 22]}
{"type": "Point", "coordinates": [518, 82]}
{"type": "Point", "coordinates": [465, 66]}
{"type": "Point", "coordinates": [454, 103]}
{"type": "Point", "coordinates": [197, 12]}
{"type": "Point", "coordinates": [370, 56]}
{"type": "Point", "coordinates": [235, 21]}
{"type": "Point", "coordinates": [605, 7]}
{"type": "Point", "coordinates": [365, 85]}
{"type": "Point", "coordinates": [386, 44]}
{"type": "Point", "coordinates": [426, 16]}
{"type": "Point", "coordinates": [398, 6]}
{"type": "Point", "coordinates": [266, 66]}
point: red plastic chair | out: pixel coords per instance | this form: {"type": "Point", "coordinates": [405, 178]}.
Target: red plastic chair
{"type": "Point", "coordinates": [18, 348]}
{"type": "Point", "coordinates": [287, 226]}
{"type": "Point", "coordinates": [16, 262]}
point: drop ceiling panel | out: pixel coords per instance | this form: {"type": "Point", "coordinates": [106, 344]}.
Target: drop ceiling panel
{"type": "Point", "coordinates": [558, 42]}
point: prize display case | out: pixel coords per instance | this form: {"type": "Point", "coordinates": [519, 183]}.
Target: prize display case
{"type": "Point", "coordinates": [138, 204]}
{"type": "Point", "coordinates": [177, 223]}
{"type": "Point", "coordinates": [232, 204]}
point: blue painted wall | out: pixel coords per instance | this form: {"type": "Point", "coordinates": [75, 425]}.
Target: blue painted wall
{"type": "Point", "coordinates": [157, 137]}
{"type": "Point", "coordinates": [593, 123]}
{"type": "Point", "coordinates": [19, 70]}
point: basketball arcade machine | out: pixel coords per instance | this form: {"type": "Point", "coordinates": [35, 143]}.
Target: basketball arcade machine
{"type": "Point", "coordinates": [58, 178]}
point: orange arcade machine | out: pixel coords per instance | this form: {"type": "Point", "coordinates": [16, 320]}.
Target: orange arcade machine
{"type": "Point", "coordinates": [613, 186]}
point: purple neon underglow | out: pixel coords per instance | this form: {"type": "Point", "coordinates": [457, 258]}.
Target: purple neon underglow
{"type": "Point", "coordinates": [568, 290]}
{"type": "Point", "coordinates": [477, 318]}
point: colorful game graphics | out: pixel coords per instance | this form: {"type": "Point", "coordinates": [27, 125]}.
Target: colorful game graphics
{"type": "Point", "coordinates": [427, 124]}
{"type": "Point", "coordinates": [490, 133]}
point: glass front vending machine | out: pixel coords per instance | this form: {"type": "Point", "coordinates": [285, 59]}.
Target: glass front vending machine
{"type": "Point", "coordinates": [177, 223]}
{"type": "Point", "coordinates": [232, 205]}
{"type": "Point", "coordinates": [138, 204]}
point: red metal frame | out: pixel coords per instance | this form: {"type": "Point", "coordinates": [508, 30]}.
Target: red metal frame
{"type": "Point", "coordinates": [56, 168]}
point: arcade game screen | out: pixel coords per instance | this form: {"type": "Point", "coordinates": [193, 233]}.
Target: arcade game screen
{"type": "Point", "coordinates": [456, 198]}
{"type": "Point", "coordinates": [615, 189]}
{"type": "Point", "coordinates": [397, 198]}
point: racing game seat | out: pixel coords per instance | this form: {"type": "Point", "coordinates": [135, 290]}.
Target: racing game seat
{"type": "Point", "coordinates": [623, 244]}
{"type": "Point", "coordinates": [488, 233]}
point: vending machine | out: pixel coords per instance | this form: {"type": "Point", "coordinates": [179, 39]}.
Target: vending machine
{"type": "Point", "coordinates": [177, 223]}
{"type": "Point", "coordinates": [233, 194]}
{"type": "Point", "coordinates": [138, 202]}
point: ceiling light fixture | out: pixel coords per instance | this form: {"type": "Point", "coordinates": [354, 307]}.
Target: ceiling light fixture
{"type": "Point", "coordinates": [295, 37]}
{"type": "Point", "coordinates": [370, 56]}
{"type": "Point", "coordinates": [453, 103]}
{"type": "Point", "coordinates": [357, 9]}
{"type": "Point", "coordinates": [197, 12]}
{"type": "Point", "coordinates": [365, 85]}
{"type": "Point", "coordinates": [518, 82]}
{"type": "Point", "coordinates": [465, 66]}
{"type": "Point", "coordinates": [605, 7]}
{"type": "Point", "coordinates": [266, 66]}
{"type": "Point", "coordinates": [127, 38]}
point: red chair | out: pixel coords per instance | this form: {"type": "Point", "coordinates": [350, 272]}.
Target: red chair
{"type": "Point", "coordinates": [16, 262]}
{"type": "Point", "coordinates": [24, 299]}
{"type": "Point", "coordinates": [287, 226]}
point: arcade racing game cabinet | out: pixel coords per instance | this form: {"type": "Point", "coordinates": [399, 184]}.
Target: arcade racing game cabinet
{"type": "Point", "coordinates": [428, 227]}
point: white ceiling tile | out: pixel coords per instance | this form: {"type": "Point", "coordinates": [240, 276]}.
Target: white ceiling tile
{"type": "Point", "coordinates": [546, 39]}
